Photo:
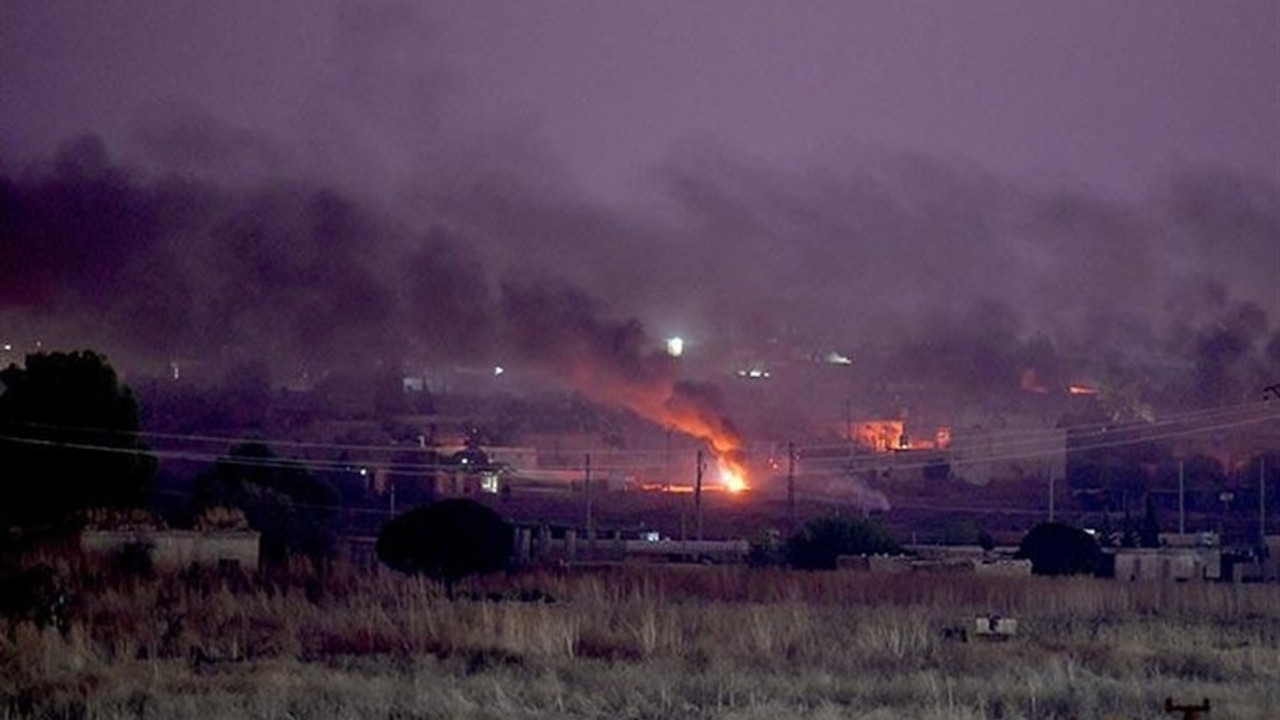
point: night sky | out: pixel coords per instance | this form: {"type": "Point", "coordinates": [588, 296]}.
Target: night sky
{"type": "Point", "coordinates": [904, 178]}
{"type": "Point", "coordinates": [1112, 95]}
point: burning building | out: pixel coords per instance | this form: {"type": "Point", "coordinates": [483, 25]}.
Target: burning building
{"type": "Point", "coordinates": [882, 436]}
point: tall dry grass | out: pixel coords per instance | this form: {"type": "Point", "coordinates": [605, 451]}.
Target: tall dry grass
{"type": "Point", "coordinates": [660, 642]}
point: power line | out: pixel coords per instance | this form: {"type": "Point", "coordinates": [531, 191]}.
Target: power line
{"type": "Point", "coordinates": [872, 462]}
{"type": "Point", "coordinates": [1006, 447]}
{"type": "Point", "coordinates": [859, 463]}
{"type": "Point", "coordinates": [279, 442]}
{"type": "Point", "coordinates": [1205, 423]}
{"type": "Point", "coordinates": [1014, 436]}
{"type": "Point", "coordinates": [290, 461]}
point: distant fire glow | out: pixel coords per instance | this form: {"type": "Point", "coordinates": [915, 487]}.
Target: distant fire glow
{"type": "Point", "coordinates": [1030, 382]}
{"type": "Point", "coordinates": [884, 436]}
{"type": "Point", "coordinates": [732, 474]}
{"type": "Point", "coordinates": [675, 346]}
{"type": "Point", "coordinates": [1077, 389]}
{"type": "Point", "coordinates": [689, 489]}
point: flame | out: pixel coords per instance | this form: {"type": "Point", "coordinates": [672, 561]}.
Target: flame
{"type": "Point", "coordinates": [732, 475]}
{"type": "Point", "coordinates": [942, 439]}
{"type": "Point", "coordinates": [1077, 389]}
{"type": "Point", "coordinates": [689, 489]}
{"type": "Point", "coordinates": [559, 330]}
{"type": "Point", "coordinates": [880, 435]}
{"type": "Point", "coordinates": [665, 488]}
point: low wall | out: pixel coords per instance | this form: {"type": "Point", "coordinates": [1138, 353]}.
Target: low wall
{"type": "Point", "coordinates": [174, 549]}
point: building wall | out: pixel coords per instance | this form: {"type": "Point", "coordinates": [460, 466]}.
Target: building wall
{"type": "Point", "coordinates": [173, 549]}
{"type": "Point", "coordinates": [1003, 568]}
{"type": "Point", "coordinates": [1178, 564]}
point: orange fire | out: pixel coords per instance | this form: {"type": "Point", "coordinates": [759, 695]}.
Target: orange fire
{"type": "Point", "coordinates": [885, 436]}
{"type": "Point", "coordinates": [732, 475]}
{"type": "Point", "coordinates": [688, 489]}
{"type": "Point", "coordinates": [1076, 389]}
{"type": "Point", "coordinates": [678, 408]}
{"type": "Point", "coordinates": [665, 488]}
{"type": "Point", "coordinates": [879, 435]}
{"type": "Point", "coordinates": [650, 390]}
{"type": "Point", "coordinates": [942, 438]}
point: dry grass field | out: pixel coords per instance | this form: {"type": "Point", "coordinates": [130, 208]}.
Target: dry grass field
{"type": "Point", "coordinates": [647, 642]}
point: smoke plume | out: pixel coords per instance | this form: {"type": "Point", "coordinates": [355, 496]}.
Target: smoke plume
{"type": "Point", "coordinates": [931, 273]}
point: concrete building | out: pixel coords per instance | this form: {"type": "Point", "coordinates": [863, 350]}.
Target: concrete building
{"type": "Point", "coordinates": [1189, 564]}
{"type": "Point", "coordinates": [177, 549]}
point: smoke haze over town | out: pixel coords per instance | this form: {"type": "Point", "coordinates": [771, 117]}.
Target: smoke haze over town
{"type": "Point", "coordinates": [639, 358]}
{"type": "Point", "coordinates": [345, 184]}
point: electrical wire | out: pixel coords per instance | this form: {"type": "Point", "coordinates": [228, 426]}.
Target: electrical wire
{"type": "Point", "coordinates": [853, 464]}
{"type": "Point", "coordinates": [1002, 444]}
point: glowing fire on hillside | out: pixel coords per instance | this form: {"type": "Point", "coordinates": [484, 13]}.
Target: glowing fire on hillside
{"type": "Point", "coordinates": [879, 435]}
{"type": "Point", "coordinates": [885, 436]}
{"type": "Point", "coordinates": [609, 362]}
{"type": "Point", "coordinates": [687, 489]}
{"type": "Point", "coordinates": [732, 475]}
{"type": "Point", "coordinates": [688, 409]}
{"type": "Point", "coordinates": [1030, 382]}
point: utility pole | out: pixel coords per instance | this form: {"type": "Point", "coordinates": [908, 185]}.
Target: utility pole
{"type": "Point", "coordinates": [791, 484]}
{"type": "Point", "coordinates": [1051, 494]}
{"type": "Point", "coordinates": [848, 426]}
{"type": "Point", "coordinates": [697, 497]}
{"type": "Point", "coordinates": [666, 464]}
{"type": "Point", "coordinates": [591, 530]}
{"type": "Point", "coordinates": [1182, 497]}
{"type": "Point", "coordinates": [391, 480]}
{"type": "Point", "coordinates": [1262, 501]}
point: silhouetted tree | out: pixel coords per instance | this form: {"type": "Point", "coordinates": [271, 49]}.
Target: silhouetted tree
{"type": "Point", "coordinates": [1149, 534]}
{"type": "Point", "coordinates": [1128, 531]}
{"type": "Point", "coordinates": [1205, 478]}
{"type": "Point", "coordinates": [68, 439]}
{"type": "Point", "coordinates": [937, 470]}
{"type": "Point", "coordinates": [1205, 470]}
{"type": "Point", "coordinates": [1058, 549]}
{"type": "Point", "coordinates": [1253, 473]}
{"type": "Point", "coordinates": [1106, 533]}
{"type": "Point", "coordinates": [447, 541]}
{"type": "Point", "coordinates": [294, 511]}
{"type": "Point", "coordinates": [821, 541]}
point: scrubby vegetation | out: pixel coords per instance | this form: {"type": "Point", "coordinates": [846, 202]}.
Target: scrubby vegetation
{"type": "Point", "coordinates": [446, 541]}
{"type": "Point", "coordinates": [660, 642]}
{"type": "Point", "coordinates": [1057, 549]}
{"type": "Point", "coordinates": [821, 542]}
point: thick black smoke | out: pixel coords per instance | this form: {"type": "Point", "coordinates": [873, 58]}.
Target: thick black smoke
{"type": "Point", "coordinates": [932, 272]}
{"type": "Point", "coordinates": [562, 331]}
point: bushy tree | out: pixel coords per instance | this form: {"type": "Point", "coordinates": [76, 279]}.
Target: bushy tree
{"type": "Point", "coordinates": [1058, 549]}
{"type": "Point", "coordinates": [822, 541]}
{"type": "Point", "coordinates": [68, 439]}
{"type": "Point", "coordinates": [1270, 463]}
{"type": "Point", "coordinates": [447, 541]}
{"type": "Point", "coordinates": [294, 511]}
{"type": "Point", "coordinates": [1149, 534]}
